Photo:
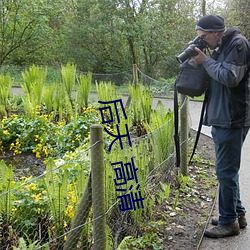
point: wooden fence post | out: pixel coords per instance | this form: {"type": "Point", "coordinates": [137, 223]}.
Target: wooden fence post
{"type": "Point", "coordinates": [135, 82]}
{"type": "Point", "coordinates": [98, 187]}
{"type": "Point", "coordinates": [80, 218]}
{"type": "Point", "coordinates": [135, 74]}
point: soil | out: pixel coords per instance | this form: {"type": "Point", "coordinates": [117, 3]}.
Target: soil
{"type": "Point", "coordinates": [178, 221]}
{"type": "Point", "coordinates": [25, 164]}
{"type": "Point", "coordinates": [187, 222]}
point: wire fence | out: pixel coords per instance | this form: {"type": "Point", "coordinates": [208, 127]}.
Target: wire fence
{"type": "Point", "coordinates": [66, 208]}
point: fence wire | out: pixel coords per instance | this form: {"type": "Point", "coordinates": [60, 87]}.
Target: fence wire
{"type": "Point", "coordinates": [44, 211]}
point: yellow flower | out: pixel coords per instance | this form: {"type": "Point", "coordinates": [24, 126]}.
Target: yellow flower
{"type": "Point", "coordinates": [37, 196]}
{"type": "Point", "coordinates": [17, 152]}
{"type": "Point", "coordinates": [73, 199]}
{"type": "Point", "coordinates": [45, 151]}
{"type": "Point", "coordinates": [26, 178]}
{"type": "Point", "coordinates": [31, 187]}
{"type": "Point", "coordinates": [6, 132]}
{"type": "Point", "coordinates": [69, 211]}
{"type": "Point", "coordinates": [38, 155]}
{"type": "Point", "coordinates": [14, 209]}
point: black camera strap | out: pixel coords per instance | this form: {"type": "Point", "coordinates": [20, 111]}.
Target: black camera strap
{"type": "Point", "coordinates": [176, 125]}
{"type": "Point", "coordinates": [199, 127]}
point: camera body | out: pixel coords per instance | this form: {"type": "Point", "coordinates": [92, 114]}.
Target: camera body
{"type": "Point", "coordinates": [190, 51]}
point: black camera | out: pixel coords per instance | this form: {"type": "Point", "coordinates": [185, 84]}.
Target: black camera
{"type": "Point", "coordinates": [190, 51]}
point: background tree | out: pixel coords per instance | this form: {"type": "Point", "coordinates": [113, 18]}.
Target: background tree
{"type": "Point", "coordinates": [109, 36]}
{"type": "Point", "coordinates": [21, 25]}
{"type": "Point", "coordinates": [237, 13]}
{"type": "Point", "coordinates": [94, 38]}
{"type": "Point", "coordinates": [104, 36]}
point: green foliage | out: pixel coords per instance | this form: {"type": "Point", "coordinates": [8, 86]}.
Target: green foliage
{"type": "Point", "coordinates": [51, 199]}
{"type": "Point", "coordinates": [64, 184]}
{"type": "Point", "coordinates": [29, 245]}
{"type": "Point", "coordinates": [83, 91]}
{"type": "Point", "coordinates": [176, 199]}
{"type": "Point", "coordinates": [106, 91]}
{"type": "Point", "coordinates": [43, 137]}
{"type": "Point", "coordinates": [23, 25]}
{"type": "Point", "coordinates": [68, 74]}
{"type": "Point", "coordinates": [59, 102]}
{"type": "Point", "coordinates": [103, 36]}
{"type": "Point", "coordinates": [48, 98]}
{"type": "Point", "coordinates": [184, 181]}
{"type": "Point", "coordinates": [162, 140]}
{"type": "Point", "coordinates": [55, 99]}
{"type": "Point", "coordinates": [34, 81]}
{"type": "Point", "coordinates": [164, 87]}
{"type": "Point", "coordinates": [15, 71]}
{"type": "Point", "coordinates": [141, 103]}
{"type": "Point", "coordinates": [73, 134]}
{"type": "Point", "coordinates": [5, 90]}
{"type": "Point", "coordinates": [30, 206]}
{"type": "Point", "coordinates": [164, 192]}
{"type": "Point", "coordinates": [56, 183]}
{"type": "Point", "coordinates": [6, 184]}
{"type": "Point", "coordinates": [147, 241]}
{"type": "Point", "coordinates": [22, 134]}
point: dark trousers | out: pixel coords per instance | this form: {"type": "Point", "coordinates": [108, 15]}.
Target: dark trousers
{"type": "Point", "coordinates": [228, 145]}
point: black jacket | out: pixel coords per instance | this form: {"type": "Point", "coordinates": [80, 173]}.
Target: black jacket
{"type": "Point", "coordinates": [229, 90]}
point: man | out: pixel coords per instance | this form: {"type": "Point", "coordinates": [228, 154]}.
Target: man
{"type": "Point", "coordinates": [228, 112]}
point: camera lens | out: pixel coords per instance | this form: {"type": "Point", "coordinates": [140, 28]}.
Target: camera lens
{"type": "Point", "coordinates": [190, 50]}
{"type": "Point", "coordinates": [187, 53]}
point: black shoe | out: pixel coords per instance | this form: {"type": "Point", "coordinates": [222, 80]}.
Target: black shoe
{"type": "Point", "coordinates": [221, 231]}
{"type": "Point", "coordinates": [241, 219]}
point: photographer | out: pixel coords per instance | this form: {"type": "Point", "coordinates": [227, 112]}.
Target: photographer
{"type": "Point", "coordinates": [228, 112]}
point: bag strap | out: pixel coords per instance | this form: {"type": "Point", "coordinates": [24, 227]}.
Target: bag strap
{"type": "Point", "coordinates": [176, 126]}
{"type": "Point", "coordinates": [176, 122]}
{"type": "Point", "coordinates": [199, 127]}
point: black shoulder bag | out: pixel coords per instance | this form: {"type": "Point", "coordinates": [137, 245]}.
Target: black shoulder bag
{"type": "Point", "coordinates": [191, 81]}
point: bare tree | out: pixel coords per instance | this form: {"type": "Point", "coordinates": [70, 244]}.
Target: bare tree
{"type": "Point", "coordinates": [20, 22]}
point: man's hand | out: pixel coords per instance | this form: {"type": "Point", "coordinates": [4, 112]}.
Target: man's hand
{"type": "Point", "coordinates": [200, 58]}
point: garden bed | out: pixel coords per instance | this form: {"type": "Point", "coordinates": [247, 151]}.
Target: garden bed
{"type": "Point", "coordinates": [186, 224]}
{"type": "Point", "coordinates": [54, 125]}
{"type": "Point", "coordinates": [178, 218]}
{"type": "Point", "coordinates": [178, 221]}
{"type": "Point", "coordinates": [24, 165]}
